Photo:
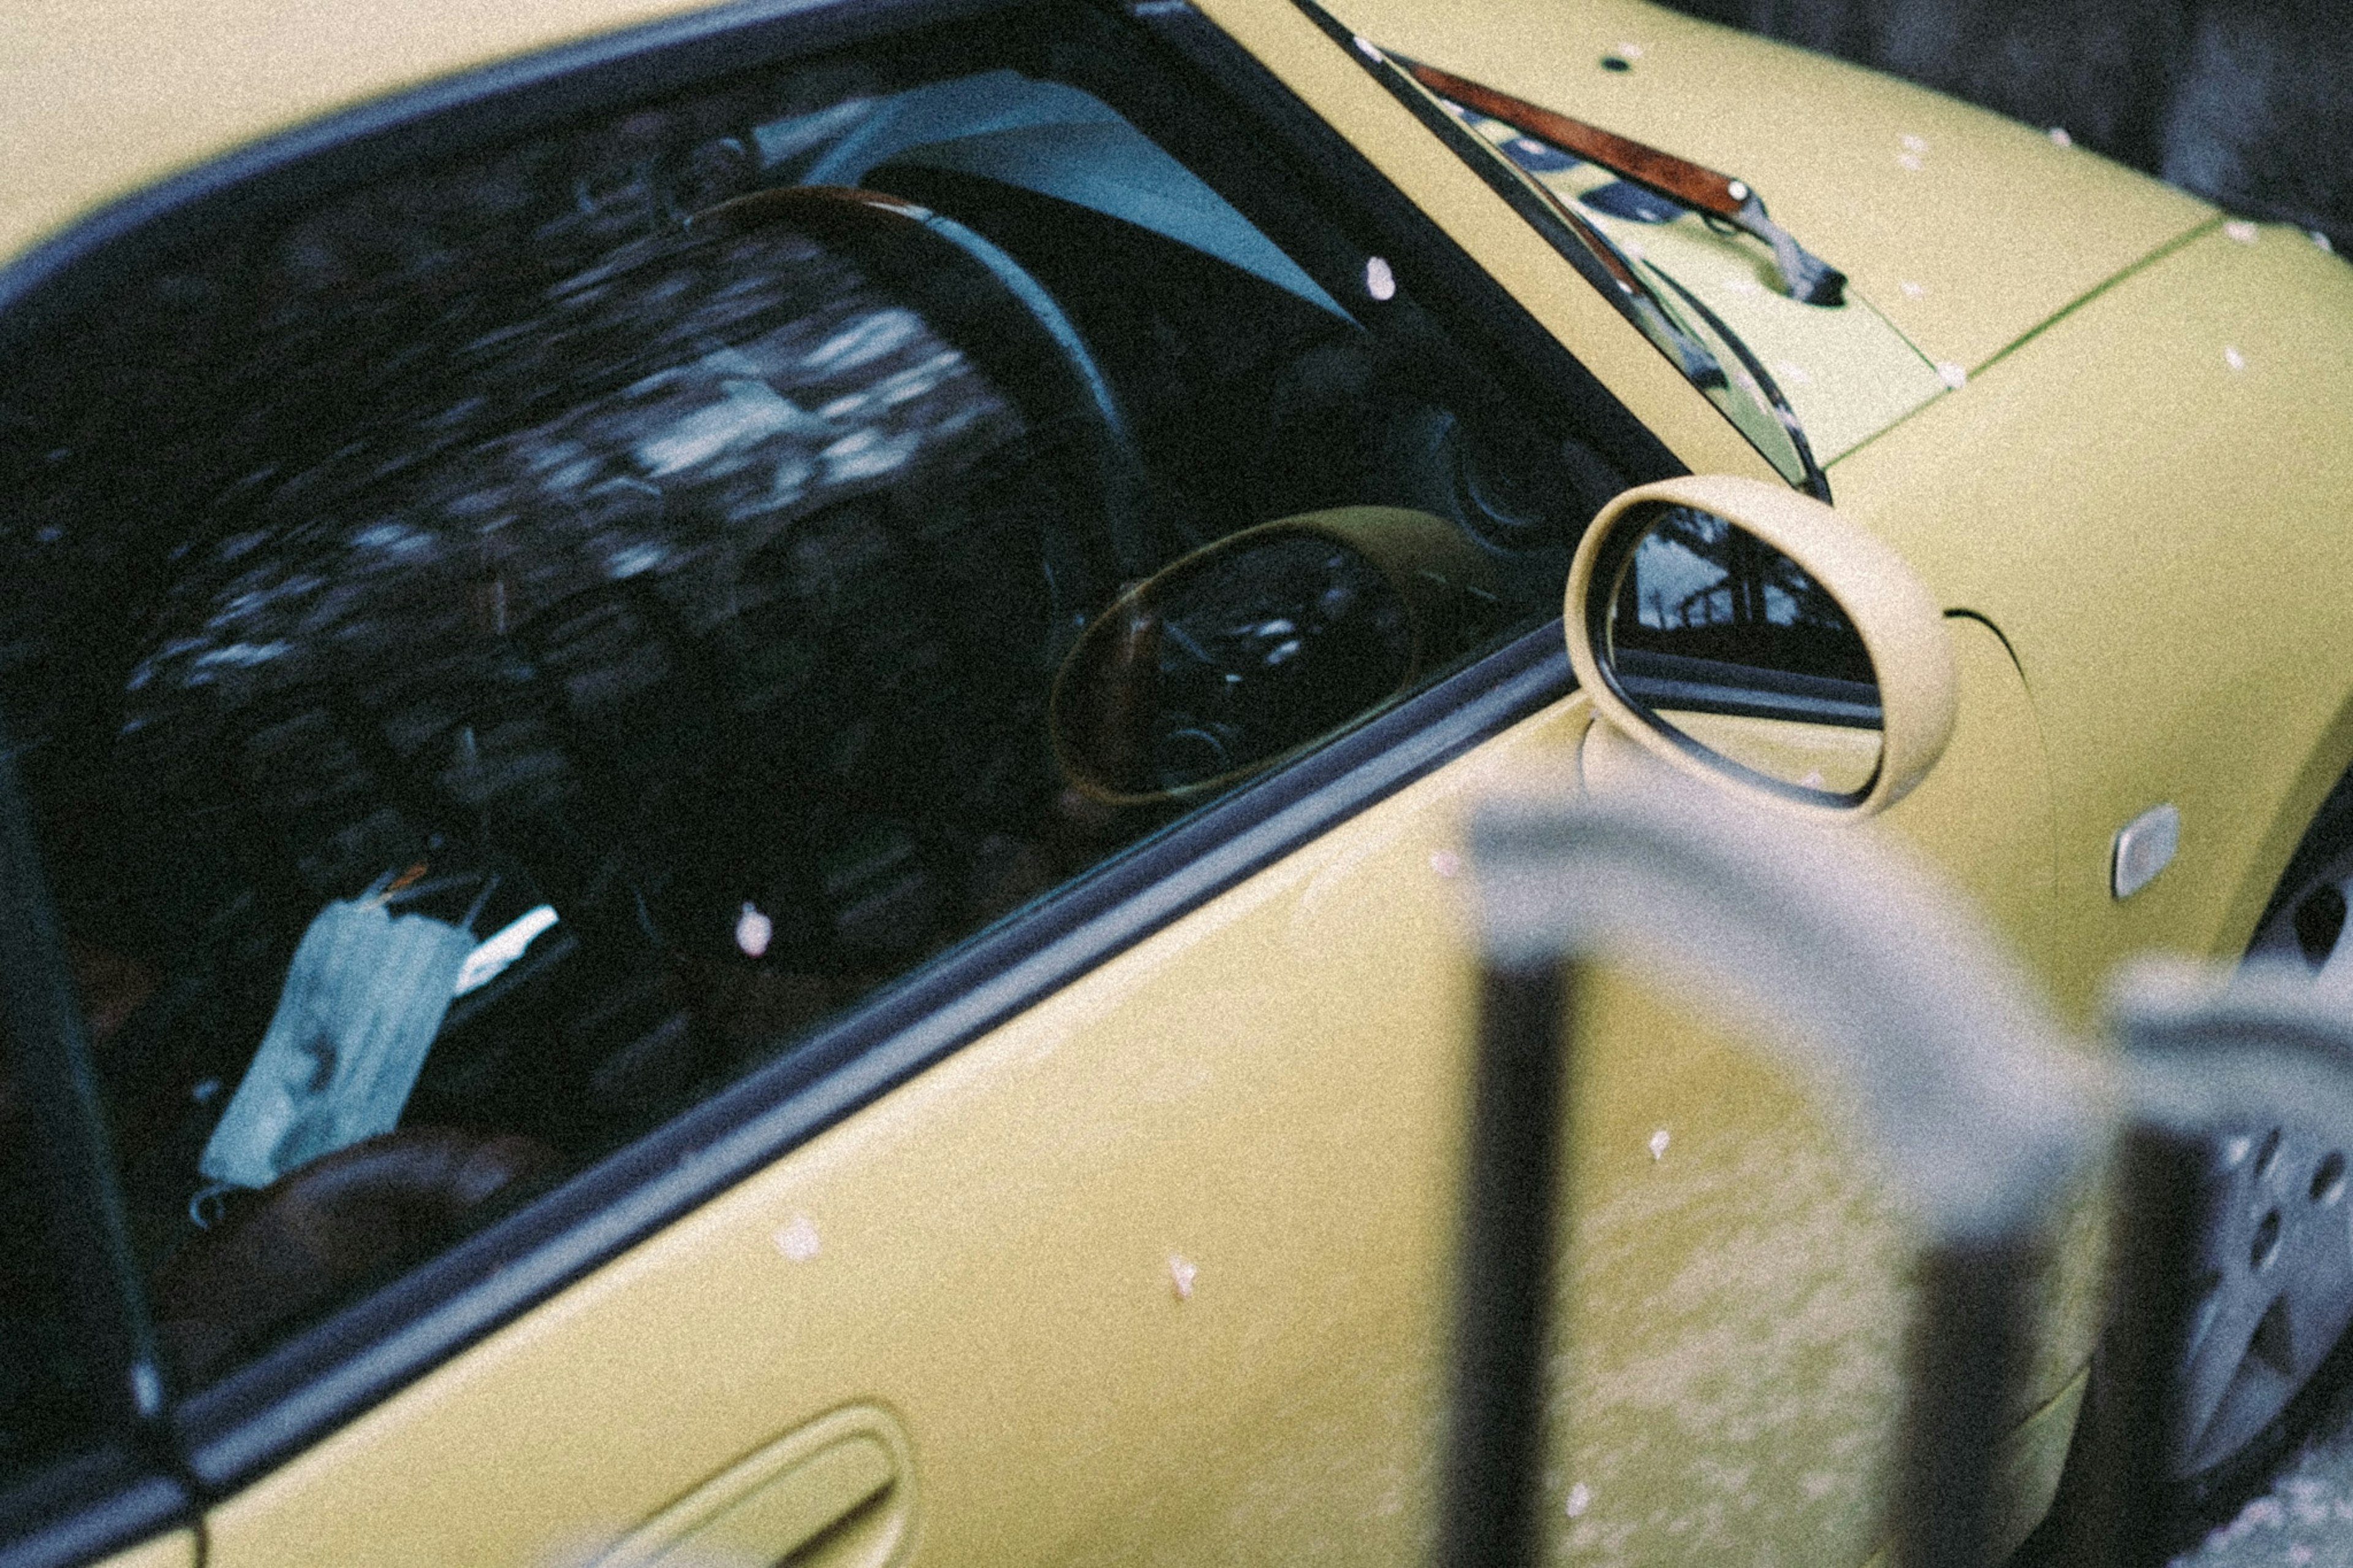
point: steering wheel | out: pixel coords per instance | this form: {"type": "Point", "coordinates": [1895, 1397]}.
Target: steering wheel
{"type": "Point", "coordinates": [975, 295]}
{"type": "Point", "coordinates": [1255, 646]}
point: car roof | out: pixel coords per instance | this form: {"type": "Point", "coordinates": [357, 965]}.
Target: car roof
{"type": "Point", "coordinates": [100, 98]}
{"type": "Point", "coordinates": [1966, 241]}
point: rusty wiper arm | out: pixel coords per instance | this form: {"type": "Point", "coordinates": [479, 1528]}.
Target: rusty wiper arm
{"type": "Point", "coordinates": [1804, 275]}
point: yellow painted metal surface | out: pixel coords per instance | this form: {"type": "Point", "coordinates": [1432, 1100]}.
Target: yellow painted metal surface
{"type": "Point", "coordinates": [1965, 229]}
{"type": "Point", "coordinates": [99, 98]}
{"type": "Point", "coordinates": [2153, 498]}
{"type": "Point", "coordinates": [1817, 756]}
{"type": "Point", "coordinates": [1156, 1271]}
{"type": "Point", "coordinates": [1733, 1367]}
{"type": "Point", "coordinates": [841, 1490]}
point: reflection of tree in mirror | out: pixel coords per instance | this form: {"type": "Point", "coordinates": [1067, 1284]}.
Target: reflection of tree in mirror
{"type": "Point", "coordinates": [1699, 587]}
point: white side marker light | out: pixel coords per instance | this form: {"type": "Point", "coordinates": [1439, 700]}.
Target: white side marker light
{"type": "Point", "coordinates": [2145, 846]}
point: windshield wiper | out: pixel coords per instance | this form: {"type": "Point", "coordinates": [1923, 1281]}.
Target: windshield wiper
{"type": "Point", "coordinates": [1804, 276]}
{"type": "Point", "coordinates": [1603, 263]}
{"type": "Point", "coordinates": [1815, 481]}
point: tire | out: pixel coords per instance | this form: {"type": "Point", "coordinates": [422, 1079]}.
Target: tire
{"type": "Point", "coordinates": [2276, 1254]}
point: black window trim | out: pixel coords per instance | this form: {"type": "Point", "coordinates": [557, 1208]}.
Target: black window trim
{"type": "Point", "coordinates": [233, 1431]}
{"type": "Point", "coordinates": [90, 1507]}
{"type": "Point", "coordinates": [129, 1484]}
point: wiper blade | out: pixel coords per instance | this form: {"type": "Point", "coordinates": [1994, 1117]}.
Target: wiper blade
{"type": "Point", "coordinates": [1804, 276]}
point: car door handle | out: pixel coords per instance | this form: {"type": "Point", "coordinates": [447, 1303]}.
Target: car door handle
{"type": "Point", "coordinates": [838, 1492]}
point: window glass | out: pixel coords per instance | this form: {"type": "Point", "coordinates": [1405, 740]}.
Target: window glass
{"type": "Point", "coordinates": [508, 649]}
{"type": "Point", "coordinates": [50, 1385]}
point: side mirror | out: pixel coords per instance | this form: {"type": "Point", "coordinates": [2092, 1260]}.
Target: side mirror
{"type": "Point", "coordinates": [1252, 648]}
{"type": "Point", "coordinates": [1751, 635]}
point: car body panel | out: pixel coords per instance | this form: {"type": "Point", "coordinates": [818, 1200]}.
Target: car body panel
{"type": "Point", "coordinates": [2171, 658]}
{"type": "Point", "coordinates": [172, 86]}
{"type": "Point", "coordinates": [1191, 1217]}
{"type": "Point", "coordinates": [1734, 1359]}
{"type": "Point", "coordinates": [1846, 374]}
{"type": "Point", "coordinates": [1996, 230]}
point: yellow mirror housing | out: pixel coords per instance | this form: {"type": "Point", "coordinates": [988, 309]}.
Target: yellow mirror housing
{"type": "Point", "coordinates": [1888, 607]}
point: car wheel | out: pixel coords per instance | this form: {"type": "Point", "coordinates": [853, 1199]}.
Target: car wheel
{"type": "Point", "coordinates": [2274, 1266]}
{"type": "Point", "coordinates": [2276, 1255]}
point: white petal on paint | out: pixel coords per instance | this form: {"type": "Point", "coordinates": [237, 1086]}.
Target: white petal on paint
{"type": "Point", "coordinates": [1380, 282]}
{"type": "Point", "coordinates": [1659, 1142]}
{"type": "Point", "coordinates": [1915, 144]}
{"type": "Point", "coordinates": [2242, 231]}
{"type": "Point", "coordinates": [1182, 1272]}
{"type": "Point", "coordinates": [2233, 358]}
{"type": "Point", "coordinates": [1953, 376]}
{"type": "Point", "coordinates": [2059, 137]}
{"type": "Point", "coordinates": [1909, 160]}
{"type": "Point", "coordinates": [1913, 290]}
{"type": "Point", "coordinates": [1446, 863]}
{"type": "Point", "coordinates": [1581, 1498]}
{"type": "Point", "coordinates": [798, 1239]}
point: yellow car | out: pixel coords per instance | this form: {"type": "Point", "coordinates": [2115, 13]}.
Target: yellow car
{"type": "Point", "coordinates": [735, 743]}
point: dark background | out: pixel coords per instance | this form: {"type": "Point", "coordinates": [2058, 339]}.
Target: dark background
{"type": "Point", "coordinates": [2249, 103]}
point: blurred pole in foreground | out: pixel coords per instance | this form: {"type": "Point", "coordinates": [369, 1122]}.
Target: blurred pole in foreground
{"type": "Point", "coordinates": [1853, 965]}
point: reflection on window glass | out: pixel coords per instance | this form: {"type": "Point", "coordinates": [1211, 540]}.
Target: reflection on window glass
{"type": "Point", "coordinates": [1697, 587]}
{"type": "Point", "coordinates": [1242, 653]}
{"type": "Point", "coordinates": [506, 651]}
{"type": "Point", "coordinates": [49, 1402]}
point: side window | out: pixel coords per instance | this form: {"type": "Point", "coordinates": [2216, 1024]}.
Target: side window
{"type": "Point", "coordinates": [508, 649]}
{"type": "Point", "coordinates": [51, 1401]}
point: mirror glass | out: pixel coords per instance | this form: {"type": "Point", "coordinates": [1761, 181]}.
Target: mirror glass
{"type": "Point", "coordinates": [1735, 650]}
{"type": "Point", "coordinates": [1219, 666]}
